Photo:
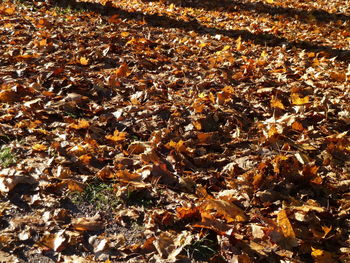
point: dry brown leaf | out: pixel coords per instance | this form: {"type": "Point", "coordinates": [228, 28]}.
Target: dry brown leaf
{"type": "Point", "coordinates": [8, 183]}
{"type": "Point", "coordinates": [230, 212]}
{"type": "Point", "coordinates": [188, 212]}
{"type": "Point", "coordinates": [88, 223]}
{"type": "Point", "coordinates": [169, 246]}
{"type": "Point", "coordinates": [57, 242]}
{"type": "Point", "coordinates": [285, 225]}
{"type": "Point", "coordinates": [122, 71]}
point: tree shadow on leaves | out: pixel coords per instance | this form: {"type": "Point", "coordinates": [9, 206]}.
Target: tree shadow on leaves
{"type": "Point", "coordinates": [264, 8]}
{"type": "Point", "coordinates": [193, 25]}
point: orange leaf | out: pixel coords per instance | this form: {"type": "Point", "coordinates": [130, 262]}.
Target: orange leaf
{"type": "Point", "coordinates": [122, 71]}
{"type": "Point", "coordinates": [117, 136]}
{"type": "Point", "coordinates": [85, 158]}
{"type": "Point", "coordinates": [212, 223]}
{"type": "Point", "coordinates": [114, 19]}
{"type": "Point", "coordinates": [74, 186]}
{"type": "Point", "coordinates": [87, 224]}
{"type": "Point", "coordinates": [178, 146]}
{"type": "Point", "coordinates": [10, 11]}
{"type": "Point", "coordinates": [125, 175]}
{"type": "Point", "coordinates": [124, 34]}
{"type": "Point", "coordinates": [285, 225]}
{"type": "Point", "coordinates": [8, 96]}
{"type": "Point", "coordinates": [297, 126]}
{"type": "Point", "coordinates": [187, 212]}
{"type": "Point", "coordinates": [227, 210]}
{"type": "Point", "coordinates": [82, 124]}
{"type": "Point", "coordinates": [338, 76]}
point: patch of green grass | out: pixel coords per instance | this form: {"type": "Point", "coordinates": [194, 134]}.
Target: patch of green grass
{"type": "Point", "coordinates": [99, 194]}
{"type": "Point", "coordinates": [74, 115]}
{"type": "Point", "coordinates": [68, 10]}
{"type": "Point", "coordinates": [7, 158]}
{"type": "Point", "coordinates": [202, 249]}
{"type": "Point", "coordinates": [139, 198]}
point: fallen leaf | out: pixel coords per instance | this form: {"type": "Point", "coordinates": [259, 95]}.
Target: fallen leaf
{"type": "Point", "coordinates": [88, 223]}
{"type": "Point", "coordinates": [276, 103]}
{"type": "Point", "coordinates": [39, 147]}
{"type": "Point", "coordinates": [82, 124]}
{"type": "Point", "coordinates": [321, 256]}
{"type": "Point", "coordinates": [117, 136]}
{"type": "Point", "coordinates": [122, 71]}
{"type": "Point", "coordinates": [230, 212]}
{"type": "Point", "coordinates": [297, 100]}
{"type": "Point", "coordinates": [83, 61]}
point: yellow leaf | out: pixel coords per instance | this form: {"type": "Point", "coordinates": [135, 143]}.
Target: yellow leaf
{"type": "Point", "coordinates": [263, 54]}
{"type": "Point", "coordinates": [273, 131]}
{"type": "Point", "coordinates": [276, 103]}
{"type": "Point", "coordinates": [269, 1]}
{"type": "Point", "coordinates": [239, 46]}
{"type": "Point", "coordinates": [321, 256]}
{"type": "Point", "coordinates": [227, 47]}
{"type": "Point", "coordinates": [39, 147]}
{"type": "Point", "coordinates": [124, 34]}
{"type": "Point", "coordinates": [285, 225]}
{"type": "Point", "coordinates": [296, 100]}
{"type": "Point", "coordinates": [83, 61]}
{"type": "Point", "coordinates": [178, 146]}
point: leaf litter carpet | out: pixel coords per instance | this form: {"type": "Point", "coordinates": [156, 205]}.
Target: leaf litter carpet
{"type": "Point", "coordinates": [174, 131]}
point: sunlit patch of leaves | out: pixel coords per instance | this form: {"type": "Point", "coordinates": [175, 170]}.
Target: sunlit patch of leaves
{"type": "Point", "coordinates": [101, 195]}
{"type": "Point", "coordinates": [7, 158]}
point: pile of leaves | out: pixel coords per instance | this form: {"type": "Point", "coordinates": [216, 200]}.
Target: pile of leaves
{"type": "Point", "coordinates": [174, 131]}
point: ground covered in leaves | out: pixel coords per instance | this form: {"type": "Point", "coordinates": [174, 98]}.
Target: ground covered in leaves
{"type": "Point", "coordinates": [174, 131]}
